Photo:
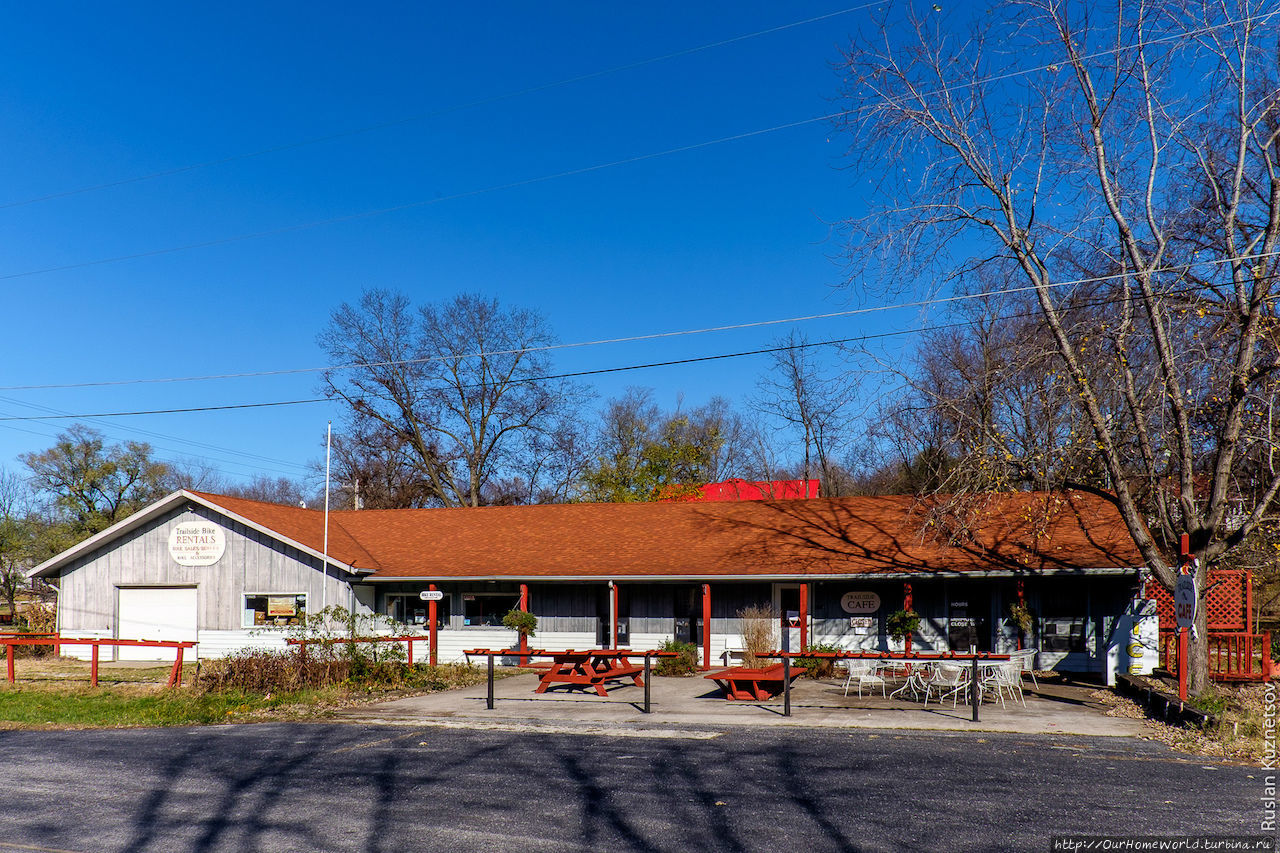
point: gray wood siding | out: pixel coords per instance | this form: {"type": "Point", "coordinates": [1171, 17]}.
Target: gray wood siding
{"type": "Point", "coordinates": [251, 563]}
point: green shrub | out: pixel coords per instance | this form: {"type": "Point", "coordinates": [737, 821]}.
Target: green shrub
{"type": "Point", "coordinates": [819, 667]}
{"type": "Point", "coordinates": [685, 663]}
{"type": "Point", "coordinates": [520, 621]}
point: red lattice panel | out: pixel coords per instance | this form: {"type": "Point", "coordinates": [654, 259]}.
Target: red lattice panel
{"type": "Point", "coordinates": [1228, 601]}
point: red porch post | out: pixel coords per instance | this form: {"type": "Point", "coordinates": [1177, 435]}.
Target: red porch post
{"type": "Point", "coordinates": [804, 616]}
{"type": "Point", "coordinates": [431, 628]}
{"type": "Point", "coordinates": [706, 626]}
{"type": "Point", "coordinates": [1022, 602]}
{"type": "Point", "coordinates": [524, 638]}
{"type": "Point", "coordinates": [906, 605]}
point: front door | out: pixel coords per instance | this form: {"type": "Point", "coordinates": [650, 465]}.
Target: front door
{"type": "Point", "coordinates": [967, 626]}
{"type": "Point", "coordinates": [786, 600]}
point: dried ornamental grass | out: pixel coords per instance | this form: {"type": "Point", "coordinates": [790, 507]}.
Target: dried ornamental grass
{"type": "Point", "coordinates": [759, 633]}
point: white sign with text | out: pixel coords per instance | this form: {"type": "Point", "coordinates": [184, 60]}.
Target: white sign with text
{"type": "Point", "coordinates": [860, 602]}
{"type": "Point", "coordinates": [197, 543]}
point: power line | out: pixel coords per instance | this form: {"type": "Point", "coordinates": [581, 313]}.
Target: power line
{"type": "Point", "coordinates": [272, 232]}
{"type": "Point", "coordinates": [63, 417]}
{"type": "Point", "coordinates": [172, 460]}
{"type": "Point", "coordinates": [198, 445]}
{"type": "Point", "coordinates": [830, 315]}
{"type": "Point", "coordinates": [492, 99]}
{"type": "Point", "coordinates": [599, 371]}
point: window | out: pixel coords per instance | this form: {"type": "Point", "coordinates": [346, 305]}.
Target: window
{"type": "Point", "coordinates": [1063, 634]}
{"type": "Point", "coordinates": [274, 608]}
{"type": "Point", "coordinates": [486, 608]}
{"type": "Point", "coordinates": [412, 610]}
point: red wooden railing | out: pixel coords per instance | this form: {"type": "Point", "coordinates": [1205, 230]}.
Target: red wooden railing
{"type": "Point", "coordinates": [1233, 655]}
{"type": "Point", "coordinates": [9, 641]}
{"type": "Point", "coordinates": [408, 640]}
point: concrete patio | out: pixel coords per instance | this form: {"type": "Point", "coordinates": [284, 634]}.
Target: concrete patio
{"type": "Point", "coordinates": [695, 702]}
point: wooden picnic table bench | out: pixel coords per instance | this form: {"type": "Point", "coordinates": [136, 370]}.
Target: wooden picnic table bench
{"type": "Point", "coordinates": [591, 668]}
{"type": "Point", "coordinates": [753, 684]}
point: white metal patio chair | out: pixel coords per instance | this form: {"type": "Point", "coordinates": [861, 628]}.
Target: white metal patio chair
{"type": "Point", "coordinates": [948, 681]}
{"type": "Point", "coordinates": [1009, 680]}
{"type": "Point", "coordinates": [1026, 659]}
{"type": "Point", "coordinates": [1000, 679]}
{"type": "Point", "coordinates": [862, 671]}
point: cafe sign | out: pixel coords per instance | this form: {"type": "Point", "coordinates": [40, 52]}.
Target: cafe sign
{"type": "Point", "coordinates": [860, 602]}
{"type": "Point", "coordinates": [197, 543]}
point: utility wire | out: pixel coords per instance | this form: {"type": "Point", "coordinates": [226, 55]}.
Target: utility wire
{"type": "Point", "coordinates": [482, 102]}
{"type": "Point", "coordinates": [272, 232]}
{"type": "Point", "coordinates": [199, 446]}
{"type": "Point", "coordinates": [830, 315]}
{"type": "Point", "coordinates": [598, 371]}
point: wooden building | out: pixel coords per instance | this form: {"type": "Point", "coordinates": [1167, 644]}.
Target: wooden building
{"type": "Point", "coordinates": [229, 572]}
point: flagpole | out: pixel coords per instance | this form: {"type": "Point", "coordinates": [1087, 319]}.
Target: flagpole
{"type": "Point", "coordinates": [324, 583]}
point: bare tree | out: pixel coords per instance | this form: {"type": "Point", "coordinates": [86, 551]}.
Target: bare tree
{"type": "Point", "coordinates": [812, 406]}
{"type": "Point", "coordinates": [1128, 152]}
{"type": "Point", "coordinates": [275, 490]}
{"type": "Point", "coordinates": [457, 391]}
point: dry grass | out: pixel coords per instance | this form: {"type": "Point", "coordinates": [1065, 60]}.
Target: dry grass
{"type": "Point", "coordinates": [249, 687]}
{"type": "Point", "coordinates": [50, 670]}
{"type": "Point", "coordinates": [1238, 735]}
{"type": "Point", "coordinates": [759, 634]}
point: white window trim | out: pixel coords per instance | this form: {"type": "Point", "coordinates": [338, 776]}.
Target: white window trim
{"type": "Point", "coordinates": [244, 610]}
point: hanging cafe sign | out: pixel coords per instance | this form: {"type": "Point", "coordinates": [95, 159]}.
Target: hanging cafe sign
{"type": "Point", "coordinates": [197, 543]}
{"type": "Point", "coordinates": [860, 602]}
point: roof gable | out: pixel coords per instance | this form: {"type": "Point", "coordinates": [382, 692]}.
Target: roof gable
{"type": "Point", "coordinates": [273, 520]}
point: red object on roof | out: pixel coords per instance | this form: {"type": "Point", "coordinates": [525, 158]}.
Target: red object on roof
{"type": "Point", "coordinates": [757, 490]}
{"type": "Point", "coordinates": [1020, 532]}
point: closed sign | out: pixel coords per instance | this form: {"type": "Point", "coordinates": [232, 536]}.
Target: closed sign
{"type": "Point", "coordinates": [860, 602]}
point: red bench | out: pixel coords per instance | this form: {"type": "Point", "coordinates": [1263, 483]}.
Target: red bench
{"type": "Point", "coordinates": [753, 684]}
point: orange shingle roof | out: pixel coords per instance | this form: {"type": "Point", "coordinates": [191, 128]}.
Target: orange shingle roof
{"type": "Point", "coordinates": [819, 536]}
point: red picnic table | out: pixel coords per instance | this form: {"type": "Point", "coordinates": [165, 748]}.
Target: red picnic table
{"type": "Point", "coordinates": [753, 684]}
{"type": "Point", "coordinates": [591, 668]}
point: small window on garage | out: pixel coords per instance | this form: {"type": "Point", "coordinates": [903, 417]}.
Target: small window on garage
{"type": "Point", "coordinates": [274, 608]}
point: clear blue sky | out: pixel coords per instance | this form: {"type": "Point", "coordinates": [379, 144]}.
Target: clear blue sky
{"type": "Point", "coordinates": [93, 94]}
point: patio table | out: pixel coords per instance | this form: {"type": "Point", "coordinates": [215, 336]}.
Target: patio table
{"type": "Point", "coordinates": [917, 673]}
{"type": "Point", "coordinates": [590, 668]}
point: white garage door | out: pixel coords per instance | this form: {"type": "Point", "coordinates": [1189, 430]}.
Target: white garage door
{"type": "Point", "coordinates": [156, 613]}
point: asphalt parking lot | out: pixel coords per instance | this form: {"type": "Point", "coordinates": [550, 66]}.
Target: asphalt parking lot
{"type": "Point", "coordinates": [356, 787]}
